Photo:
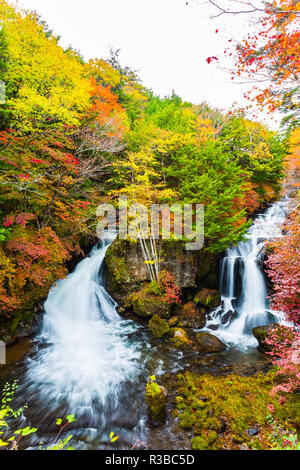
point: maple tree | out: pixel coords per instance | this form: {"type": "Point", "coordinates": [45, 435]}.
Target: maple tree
{"type": "Point", "coordinates": [269, 55]}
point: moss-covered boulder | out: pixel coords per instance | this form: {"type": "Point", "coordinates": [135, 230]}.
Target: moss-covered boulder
{"type": "Point", "coordinates": [208, 298]}
{"type": "Point", "coordinates": [180, 338]}
{"type": "Point", "coordinates": [146, 303]}
{"type": "Point", "coordinates": [158, 326]}
{"type": "Point", "coordinates": [191, 316]}
{"type": "Point", "coordinates": [208, 343]}
{"type": "Point", "coordinates": [156, 398]}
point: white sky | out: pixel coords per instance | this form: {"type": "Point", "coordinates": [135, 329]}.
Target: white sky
{"type": "Point", "coordinates": [166, 41]}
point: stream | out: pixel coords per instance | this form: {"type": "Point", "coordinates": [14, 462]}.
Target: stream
{"type": "Point", "coordinates": [89, 361]}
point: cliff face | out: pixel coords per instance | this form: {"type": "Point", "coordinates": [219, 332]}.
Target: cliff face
{"type": "Point", "coordinates": [127, 271]}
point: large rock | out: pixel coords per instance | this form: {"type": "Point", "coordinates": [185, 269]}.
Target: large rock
{"type": "Point", "coordinates": [156, 398]}
{"type": "Point", "coordinates": [209, 298]}
{"type": "Point", "coordinates": [127, 271]}
{"type": "Point", "coordinates": [207, 343]}
{"type": "Point", "coordinates": [158, 326]}
{"type": "Point", "coordinates": [189, 315]}
{"type": "Point", "coordinates": [146, 303]}
{"type": "Point", "coordinates": [180, 338]}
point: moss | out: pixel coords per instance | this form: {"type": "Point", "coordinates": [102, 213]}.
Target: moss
{"type": "Point", "coordinates": [158, 326]}
{"type": "Point", "coordinates": [146, 304]}
{"type": "Point", "coordinates": [156, 398]}
{"type": "Point", "coordinates": [116, 266]}
{"type": "Point", "coordinates": [204, 442]}
{"type": "Point", "coordinates": [220, 410]}
{"type": "Point", "coordinates": [180, 338]}
{"type": "Point", "coordinates": [209, 298]}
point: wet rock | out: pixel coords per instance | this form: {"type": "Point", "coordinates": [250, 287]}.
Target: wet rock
{"type": "Point", "coordinates": [253, 431]}
{"type": "Point", "coordinates": [209, 298]}
{"type": "Point", "coordinates": [146, 304]}
{"type": "Point", "coordinates": [121, 310]}
{"type": "Point", "coordinates": [229, 316]}
{"type": "Point", "coordinates": [213, 327]}
{"type": "Point", "coordinates": [173, 321]}
{"type": "Point", "coordinates": [180, 338]}
{"type": "Point", "coordinates": [191, 316]}
{"type": "Point", "coordinates": [207, 343]}
{"type": "Point", "coordinates": [158, 326]}
{"type": "Point", "coordinates": [156, 398]}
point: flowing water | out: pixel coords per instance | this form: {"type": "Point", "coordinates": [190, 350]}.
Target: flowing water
{"type": "Point", "coordinates": [89, 361]}
{"type": "Point", "coordinates": [244, 302]}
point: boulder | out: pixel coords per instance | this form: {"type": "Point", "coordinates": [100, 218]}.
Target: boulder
{"type": "Point", "coordinates": [146, 303]}
{"type": "Point", "coordinates": [208, 343]}
{"type": "Point", "coordinates": [156, 398]}
{"type": "Point", "coordinates": [158, 326]}
{"type": "Point", "coordinates": [126, 271]}
{"type": "Point", "coordinates": [180, 338]}
{"type": "Point", "coordinates": [208, 298]}
{"type": "Point", "coordinates": [191, 316]}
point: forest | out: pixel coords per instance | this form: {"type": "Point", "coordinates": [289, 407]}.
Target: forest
{"type": "Point", "coordinates": [75, 134]}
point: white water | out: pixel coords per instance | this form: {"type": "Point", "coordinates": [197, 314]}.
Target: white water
{"type": "Point", "coordinates": [244, 302]}
{"type": "Point", "coordinates": [87, 354]}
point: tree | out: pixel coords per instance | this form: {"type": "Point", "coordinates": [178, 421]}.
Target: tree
{"type": "Point", "coordinates": [269, 56]}
{"type": "Point", "coordinates": [46, 87]}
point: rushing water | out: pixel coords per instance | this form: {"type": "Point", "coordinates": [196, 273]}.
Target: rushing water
{"type": "Point", "coordinates": [244, 302]}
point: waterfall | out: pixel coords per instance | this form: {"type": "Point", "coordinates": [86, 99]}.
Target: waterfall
{"type": "Point", "coordinates": [244, 302]}
{"type": "Point", "coordinates": [84, 353]}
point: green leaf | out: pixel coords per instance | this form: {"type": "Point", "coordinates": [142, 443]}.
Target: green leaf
{"type": "Point", "coordinates": [71, 418]}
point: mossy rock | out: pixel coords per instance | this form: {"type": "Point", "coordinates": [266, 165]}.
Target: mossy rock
{"type": "Point", "coordinates": [208, 343]}
{"type": "Point", "coordinates": [209, 298]}
{"type": "Point", "coordinates": [173, 321]}
{"type": "Point", "coordinates": [189, 315]}
{"type": "Point", "coordinates": [146, 303]}
{"type": "Point", "coordinates": [158, 326]}
{"type": "Point", "coordinates": [180, 338]}
{"type": "Point", "coordinates": [156, 398]}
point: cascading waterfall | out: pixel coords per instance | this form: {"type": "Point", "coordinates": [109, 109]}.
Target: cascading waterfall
{"type": "Point", "coordinates": [244, 302]}
{"type": "Point", "coordinates": [84, 355]}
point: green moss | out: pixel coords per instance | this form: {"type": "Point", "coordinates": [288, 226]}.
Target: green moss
{"type": "Point", "coordinates": [146, 304]}
{"type": "Point", "coordinates": [204, 442]}
{"type": "Point", "coordinates": [209, 298]}
{"type": "Point", "coordinates": [158, 326]}
{"type": "Point", "coordinates": [116, 266]}
{"type": "Point", "coordinates": [156, 398]}
{"type": "Point", "coordinates": [220, 410]}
